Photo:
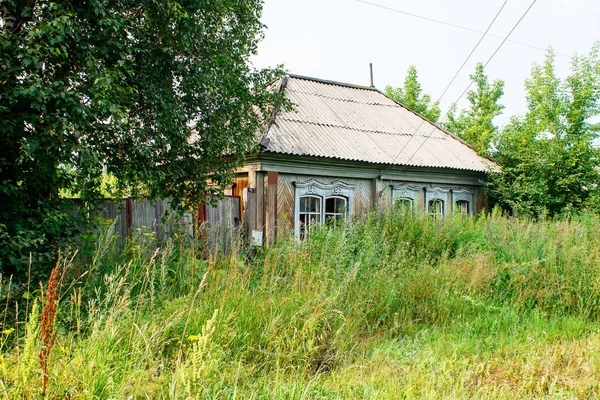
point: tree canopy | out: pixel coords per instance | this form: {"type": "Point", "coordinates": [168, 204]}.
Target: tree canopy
{"type": "Point", "coordinates": [548, 158]}
{"type": "Point", "coordinates": [412, 97]}
{"type": "Point", "coordinates": [476, 124]}
{"type": "Point", "coordinates": [157, 93]}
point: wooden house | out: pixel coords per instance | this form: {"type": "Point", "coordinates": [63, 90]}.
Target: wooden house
{"type": "Point", "coordinates": [345, 150]}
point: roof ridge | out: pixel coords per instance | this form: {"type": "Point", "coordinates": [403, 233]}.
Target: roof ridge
{"type": "Point", "coordinates": [335, 83]}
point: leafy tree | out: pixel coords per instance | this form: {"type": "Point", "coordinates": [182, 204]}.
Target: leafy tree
{"type": "Point", "coordinates": [411, 96]}
{"type": "Point", "coordinates": [157, 93]}
{"type": "Point", "coordinates": [549, 161]}
{"type": "Point", "coordinates": [475, 125]}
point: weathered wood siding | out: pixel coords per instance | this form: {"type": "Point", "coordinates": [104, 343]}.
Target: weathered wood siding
{"type": "Point", "coordinates": [361, 204]}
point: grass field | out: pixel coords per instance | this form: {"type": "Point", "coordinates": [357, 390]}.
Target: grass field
{"type": "Point", "coordinates": [394, 306]}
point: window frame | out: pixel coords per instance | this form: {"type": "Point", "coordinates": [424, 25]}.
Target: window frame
{"type": "Point", "coordinates": [405, 192]}
{"type": "Point", "coordinates": [435, 214]}
{"type": "Point", "coordinates": [463, 195]}
{"type": "Point", "coordinates": [437, 193]}
{"type": "Point", "coordinates": [309, 213]}
{"type": "Point", "coordinates": [336, 197]}
{"type": "Point", "coordinates": [312, 187]}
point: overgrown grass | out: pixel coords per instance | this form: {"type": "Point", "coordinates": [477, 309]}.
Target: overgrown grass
{"type": "Point", "coordinates": [395, 306]}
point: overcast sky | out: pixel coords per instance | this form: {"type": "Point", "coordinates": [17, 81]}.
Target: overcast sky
{"type": "Point", "coordinates": [337, 39]}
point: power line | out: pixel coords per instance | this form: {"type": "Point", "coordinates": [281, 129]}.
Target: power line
{"type": "Point", "coordinates": [450, 24]}
{"type": "Point", "coordinates": [470, 83]}
{"type": "Point", "coordinates": [449, 84]}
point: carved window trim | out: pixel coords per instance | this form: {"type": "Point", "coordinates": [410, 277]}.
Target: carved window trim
{"type": "Point", "coordinates": [313, 187]}
{"type": "Point", "coordinates": [463, 195]}
{"type": "Point", "coordinates": [405, 192]}
{"type": "Point", "coordinates": [436, 193]}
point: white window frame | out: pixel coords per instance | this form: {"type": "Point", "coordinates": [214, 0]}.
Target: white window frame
{"type": "Point", "coordinates": [312, 212]}
{"type": "Point", "coordinates": [405, 192]}
{"type": "Point", "coordinates": [463, 195]}
{"type": "Point", "coordinates": [312, 187]}
{"type": "Point", "coordinates": [334, 214]}
{"type": "Point", "coordinates": [437, 193]}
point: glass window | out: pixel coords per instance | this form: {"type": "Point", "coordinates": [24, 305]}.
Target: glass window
{"type": "Point", "coordinates": [404, 204]}
{"type": "Point", "coordinates": [335, 208]}
{"type": "Point", "coordinates": [310, 212]}
{"type": "Point", "coordinates": [436, 208]}
{"type": "Point", "coordinates": [463, 207]}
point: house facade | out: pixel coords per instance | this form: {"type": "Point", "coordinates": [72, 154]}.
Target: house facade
{"type": "Point", "coordinates": [345, 150]}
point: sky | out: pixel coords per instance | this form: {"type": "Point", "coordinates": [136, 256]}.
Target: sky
{"type": "Point", "coordinates": [337, 39]}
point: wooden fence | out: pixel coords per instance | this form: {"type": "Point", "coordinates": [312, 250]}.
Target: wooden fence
{"type": "Point", "coordinates": [129, 216]}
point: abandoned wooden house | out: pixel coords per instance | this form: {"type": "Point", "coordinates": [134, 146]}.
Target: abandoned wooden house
{"type": "Point", "coordinates": [345, 150]}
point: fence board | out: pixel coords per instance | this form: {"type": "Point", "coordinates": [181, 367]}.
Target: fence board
{"type": "Point", "coordinates": [129, 216]}
{"type": "Point", "coordinates": [223, 221]}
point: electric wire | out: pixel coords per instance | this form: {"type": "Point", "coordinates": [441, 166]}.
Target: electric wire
{"type": "Point", "coordinates": [449, 85]}
{"type": "Point", "coordinates": [471, 82]}
{"type": "Point", "coordinates": [450, 24]}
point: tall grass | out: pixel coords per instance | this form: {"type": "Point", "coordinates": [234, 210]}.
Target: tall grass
{"type": "Point", "coordinates": [390, 307]}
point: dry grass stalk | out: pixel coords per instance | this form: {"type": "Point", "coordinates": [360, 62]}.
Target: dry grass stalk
{"type": "Point", "coordinates": [47, 323]}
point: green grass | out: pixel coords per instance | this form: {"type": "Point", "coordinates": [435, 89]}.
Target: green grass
{"type": "Point", "coordinates": [394, 306]}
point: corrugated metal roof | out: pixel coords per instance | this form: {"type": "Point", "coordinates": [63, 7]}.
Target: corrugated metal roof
{"type": "Point", "coordinates": [350, 122]}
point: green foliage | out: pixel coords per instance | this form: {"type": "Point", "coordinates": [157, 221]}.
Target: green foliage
{"type": "Point", "coordinates": [394, 306]}
{"type": "Point", "coordinates": [475, 125]}
{"type": "Point", "coordinates": [158, 94]}
{"type": "Point", "coordinates": [549, 161]}
{"type": "Point", "coordinates": [411, 96]}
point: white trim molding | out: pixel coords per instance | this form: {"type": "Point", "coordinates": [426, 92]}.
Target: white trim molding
{"type": "Point", "coordinates": [463, 195]}
{"type": "Point", "coordinates": [405, 192]}
{"type": "Point", "coordinates": [436, 193]}
{"type": "Point", "coordinates": [313, 187]}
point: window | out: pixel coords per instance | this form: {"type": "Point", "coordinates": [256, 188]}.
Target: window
{"type": "Point", "coordinates": [404, 204]}
{"type": "Point", "coordinates": [463, 200]}
{"type": "Point", "coordinates": [404, 197]}
{"type": "Point", "coordinates": [463, 207]}
{"type": "Point", "coordinates": [316, 202]}
{"type": "Point", "coordinates": [435, 200]}
{"type": "Point", "coordinates": [436, 208]}
{"type": "Point", "coordinates": [310, 212]}
{"type": "Point", "coordinates": [335, 208]}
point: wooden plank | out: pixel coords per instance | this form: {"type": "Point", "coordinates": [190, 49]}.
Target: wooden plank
{"type": "Point", "coordinates": [271, 214]}
{"type": "Point", "coordinates": [260, 201]}
{"type": "Point", "coordinates": [250, 216]}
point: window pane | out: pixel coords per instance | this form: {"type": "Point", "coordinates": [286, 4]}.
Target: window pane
{"type": "Point", "coordinates": [335, 207]}
{"type": "Point", "coordinates": [310, 204]}
{"type": "Point", "coordinates": [315, 204]}
{"type": "Point", "coordinates": [309, 218]}
{"type": "Point", "coordinates": [436, 207]}
{"type": "Point", "coordinates": [404, 203]}
{"type": "Point", "coordinates": [462, 206]}
{"type": "Point", "coordinates": [340, 206]}
{"type": "Point", "coordinates": [330, 205]}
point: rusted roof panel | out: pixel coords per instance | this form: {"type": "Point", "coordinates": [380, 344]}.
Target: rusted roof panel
{"type": "Point", "coordinates": [362, 124]}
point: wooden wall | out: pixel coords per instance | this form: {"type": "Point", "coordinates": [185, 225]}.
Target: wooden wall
{"type": "Point", "coordinates": [362, 202]}
{"type": "Point", "coordinates": [366, 195]}
{"type": "Point", "coordinates": [479, 200]}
